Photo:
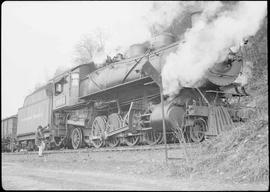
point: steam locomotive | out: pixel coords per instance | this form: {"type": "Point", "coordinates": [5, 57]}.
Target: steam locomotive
{"type": "Point", "coordinates": [120, 103]}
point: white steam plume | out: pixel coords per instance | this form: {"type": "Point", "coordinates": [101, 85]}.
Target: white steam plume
{"type": "Point", "coordinates": [135, 27]}
{"type": "Point", "coordinates": [207, 42]}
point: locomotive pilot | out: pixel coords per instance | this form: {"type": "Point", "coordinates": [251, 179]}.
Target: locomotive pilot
{"type": "Point", "coordinates": [40, 139]}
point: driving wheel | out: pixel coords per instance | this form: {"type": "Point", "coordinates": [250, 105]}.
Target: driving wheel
{"type": "Point", "coordinates": [97, 132]}
{"type": "Point", "coordinates": [197, 131]}
{"type": "Point", "coordinates": [76, 138]}
{"type": "Point", "coordinates": [153, 137]}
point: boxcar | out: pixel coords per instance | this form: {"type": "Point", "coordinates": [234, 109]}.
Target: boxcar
{"type": "Point", "coordinates": [8, 133]}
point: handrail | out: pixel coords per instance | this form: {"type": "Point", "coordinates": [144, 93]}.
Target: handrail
{"type": "Point", "coordinates": [202, 96]}
{"type": "Point", "coordinates": [137, 62]}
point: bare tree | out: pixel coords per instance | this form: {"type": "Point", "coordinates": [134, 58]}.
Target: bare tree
{"type": "Point", "coordinates": [88, 47]}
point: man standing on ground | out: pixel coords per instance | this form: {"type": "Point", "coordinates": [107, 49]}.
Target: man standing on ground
{"type": "Point", "coordinates": [40, 139]}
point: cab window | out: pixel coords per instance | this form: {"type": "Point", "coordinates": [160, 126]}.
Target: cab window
{"type": "Point", "coordinates": [59, 86]}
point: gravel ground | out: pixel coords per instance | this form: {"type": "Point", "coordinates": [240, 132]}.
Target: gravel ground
{"type": "Point", "coordinates": [128, 170]}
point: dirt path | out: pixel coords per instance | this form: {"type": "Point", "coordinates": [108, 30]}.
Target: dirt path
{"type": "Point", "coordinates": [18, 175]}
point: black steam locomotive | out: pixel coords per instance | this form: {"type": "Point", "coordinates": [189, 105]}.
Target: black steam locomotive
{"type": "Point", "coordinates": [120, 103]}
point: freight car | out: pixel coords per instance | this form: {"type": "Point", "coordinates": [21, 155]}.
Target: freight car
{"type": "Point", "coordinates": [8, 133]}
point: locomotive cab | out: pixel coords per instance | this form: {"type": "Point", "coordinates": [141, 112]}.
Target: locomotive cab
{"type": "Point", "coordinates": [66, 86]}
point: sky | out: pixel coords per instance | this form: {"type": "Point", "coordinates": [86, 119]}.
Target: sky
{"type": "Point", "coordinates": [38, 37]}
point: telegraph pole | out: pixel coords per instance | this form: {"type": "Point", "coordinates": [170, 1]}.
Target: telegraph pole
{"type": "Point", "coordinates": [148, 69]}
{"type": "Point", "coordinates": [164, 124]}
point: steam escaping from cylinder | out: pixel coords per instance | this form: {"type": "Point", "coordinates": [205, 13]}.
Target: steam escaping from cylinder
{"type": "Point", "coordinates": [218, 28]}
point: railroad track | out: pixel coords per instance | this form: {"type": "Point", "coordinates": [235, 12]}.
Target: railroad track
{"type": "Point", "coordinates": [108, 149]}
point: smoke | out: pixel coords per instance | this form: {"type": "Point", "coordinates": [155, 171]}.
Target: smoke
{"type": "Point", "coordinates": [214, 31]}
{"type": "Point", "coordinates": [161, 14]}
{"type": "Point", "coordinates": [135, 26]}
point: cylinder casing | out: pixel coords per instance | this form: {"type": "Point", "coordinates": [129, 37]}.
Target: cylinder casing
{"type": "Point", "coordinates": [172, 114]}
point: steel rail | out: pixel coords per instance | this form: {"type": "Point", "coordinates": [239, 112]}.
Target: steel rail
{"type": "Point", "coordinates": [106, 149]}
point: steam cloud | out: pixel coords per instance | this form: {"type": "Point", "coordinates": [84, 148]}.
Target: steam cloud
{"type": "Point", "coordinates": [135, 28]}
{"type": "Point", "coordinates": [217, 28]}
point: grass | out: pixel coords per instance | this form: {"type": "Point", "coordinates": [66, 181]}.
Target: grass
{"type": "Point", "coordinates": [240, 154]}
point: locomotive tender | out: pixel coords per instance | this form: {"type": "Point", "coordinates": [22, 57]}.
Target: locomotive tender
{"type": "Point", "coordinates": [120, 102]}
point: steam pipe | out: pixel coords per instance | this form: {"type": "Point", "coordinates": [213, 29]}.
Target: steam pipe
{"type": "Point", "coordinates": [202, 95]}
{"type": "Point", "coordinates": [131, 69]}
